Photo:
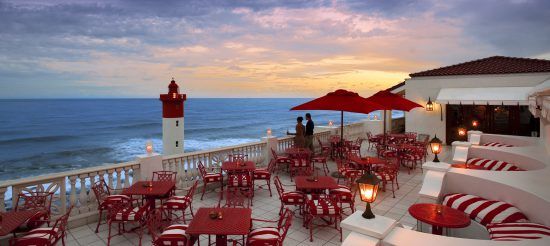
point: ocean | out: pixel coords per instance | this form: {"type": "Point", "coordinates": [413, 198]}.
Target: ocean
{"type": "Point", "coordinates": [51, 135]}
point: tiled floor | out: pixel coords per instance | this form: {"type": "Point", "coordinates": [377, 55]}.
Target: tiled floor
{"type": "Point", "coordinates": [267, 208]}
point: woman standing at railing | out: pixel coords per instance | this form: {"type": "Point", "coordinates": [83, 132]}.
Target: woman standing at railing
{"type": "Point", "coordinates": [299, 139]}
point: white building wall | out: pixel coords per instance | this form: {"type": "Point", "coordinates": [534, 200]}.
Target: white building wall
{"type": "Point", "coordinates": [172, 136]}
{"type": "Point", "coordinates": [419, 89]}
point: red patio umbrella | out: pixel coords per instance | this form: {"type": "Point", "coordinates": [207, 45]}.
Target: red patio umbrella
{"type": "Point", "coordinates": [340, 100]}
{"type": "Point", "coordinates": [391, 101]}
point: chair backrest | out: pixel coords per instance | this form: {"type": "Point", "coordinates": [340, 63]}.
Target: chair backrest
{"type": "Point", "coordinates": [164, 176]}
{"type": "Point", "coordinates": [285, 221]}
{"type": "Point", "coordinates": [202, 169]}
{"type": "Point", "coordinates": [101, 190]}
{"type": "Point", "coordinates": [154, 223]}
{"type": "Point", "coordinates": [369, 135]}
{"type": "Point", "coordinates": [279, 186]}
{"type": "Point", "coordinates": [191, 191]}
{"type": "Point", "coordinates": [424, 138]}
{"type": "Point", "coordinates": [271, 165]}
{"type": "Point", "coordinates": [237, 157]}
{"type": "Point", "coordinates": [274, 153]}
{"type": "Point", "coordinates": [34, 200]}
{"type": "Point", "coordinates": [239, 179]}
{"type": "Point", "coordinates": [62, 222]}
{"type": "Point", "coordinates": [236, 198]}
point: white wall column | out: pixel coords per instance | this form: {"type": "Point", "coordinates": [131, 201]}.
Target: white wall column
{"type": "Point", "coordinates": [149, 163]}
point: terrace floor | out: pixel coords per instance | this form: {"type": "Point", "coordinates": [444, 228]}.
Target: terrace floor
{"type": "Point", "coordinates": [266, 207]}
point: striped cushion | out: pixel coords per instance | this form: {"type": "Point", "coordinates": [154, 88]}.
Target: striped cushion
{"type": "Point", "coordinates": [413, 157]}
{"type": "Point", "coordinates": [212, 177]}
{"type": "Point", "coordinates": [484, 211]}
{"type": "Point", "coordinates": [319, 159]}
{"type": "Point", "coordinates": [388, 153]}
{"type": "Point", "coordinates": [293, 197]}
{"type": "Point", "coordinates": [343, 193]}
{"type": "Point", "coordinates": [349, 172]}
{"type": "Point", "coordinates": [493, 165]}
{"type": "Point", "coordinates": [517, 231]}
{"type": "Point", "coordinates": [43, 234]}
{"type": "Point", "coordinates": [261, 174]}
{"type": "Point", "coordinates": [322, 207]}
{"type": "Point", "coordinates": [384, 176]}
{"type": "Point", "coordinates": [177, 202]}
{"type": "Point", "coordinates": [173, 235]}
{"type": "Point", "coordinates": [130, 214]}
{"type": "Point", "coordinates": [495, 144]}
{"type": "Point", "coordinates": [263, 235]}
{"type": "Point", "coordinates": [300, 163]}
{"type": "Point", "coordinates": [112, 199]}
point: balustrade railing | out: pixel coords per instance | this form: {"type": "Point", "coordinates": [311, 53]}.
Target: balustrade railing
{"type": "Point", "coordinates": [74, 187]}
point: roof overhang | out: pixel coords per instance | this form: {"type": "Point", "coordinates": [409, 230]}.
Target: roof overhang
{"type": "Point", "coordinates": [485, 95]}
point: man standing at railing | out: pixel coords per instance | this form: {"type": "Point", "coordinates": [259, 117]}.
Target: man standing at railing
{"type": "Point", "coordinates": [309, 132]}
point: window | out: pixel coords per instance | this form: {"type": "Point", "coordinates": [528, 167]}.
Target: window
{"type": "Point", "coordinates": [177, 143]}
{"type": "Point", "coordinates": [177, 123]}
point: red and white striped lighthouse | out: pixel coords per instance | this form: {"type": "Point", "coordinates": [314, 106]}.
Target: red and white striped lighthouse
{"type": "Point", "coordinates": [172, 119]}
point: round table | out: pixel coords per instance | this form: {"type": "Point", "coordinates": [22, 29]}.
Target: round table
{"type": "Point", "coordinates": [439, 216]}
{"type": "Point", "coordinates": [469, 166]}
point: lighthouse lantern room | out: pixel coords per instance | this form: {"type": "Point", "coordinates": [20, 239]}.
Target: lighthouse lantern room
{"type": "Point", "coordinates": [172, 119]}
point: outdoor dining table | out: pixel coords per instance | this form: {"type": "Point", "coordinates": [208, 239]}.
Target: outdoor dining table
{"type": "Point", "coordinates": [231, 166]}
{"type": "Point", "coordinates": [366, 163]}
{"type": "Point", "coordinates": [151, 190]}
{"type": "Point", "coordinates": [234, 221]}
{"type": "Point", "coordinates": [315, 184]}
{"type": "Point", "coordinates": [12, 220]}
{"type": "Point", "coordinates": [297, 152]}
{"type": "Point", "coordinates": [439, 216]}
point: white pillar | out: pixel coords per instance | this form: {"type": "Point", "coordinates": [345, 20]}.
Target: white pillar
{"type": "Point", "coordinates": [460, 151]}
{"type": "Point", "coordinates": [149, 164]}
{"type": "Point", "coordinates": [271, 143]}
{"type": "Point", "coordinates": [373, 230]}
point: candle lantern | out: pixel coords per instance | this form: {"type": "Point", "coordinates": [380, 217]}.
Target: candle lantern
{"type": "Point", "coordinates": [149, 147]}
{"type": "Point", "coordinates": [461, 131]}
{"type": "Point", "coordinates": [368, 189]}
{"type": "Point", "coordinates": [475, 123]}
{"type": "Point", "coordinates": [429, 105]}
{"type": "Point", "coordinates": [435, 146]}
{"type": "Point", "coordinates": [330, 123]}
{"type": "Point", "coordinates": [269, 132]}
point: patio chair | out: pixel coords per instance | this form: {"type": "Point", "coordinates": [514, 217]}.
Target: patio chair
{"type": "Point", "coordinates": [209, 177]}
{"type": "Point", "coordinates": [388, 174]}
{"type": "Point", "coordinates": [125, 213]}
{"type": "Point", "coordinates": [412, 157]}
{"type": "Point", "coordinates": [281, 160]}
{"type": "Point", "coordinates": [264, 174]}
{"type": "Point", "coordinates": [236, 157]}
{"type": "Point", "coordinates": [164, 176]}
{"type": "Point", "coordinates": [324, 148]}
{"type": "Point", "coordinates": [48, 236]}
{"type": "Point", "coordinates": [355, 147]}
{"type": "Point", "coordinates": [274, 236]}
{"type": "Point", "coordinates": [322, 207]}
{"type": "Point", "coordinates": [373, 141]}
{"type": "Point", "coordinates": [321, 159]}
{"type": "Point", "coordinates": [343, 194]}
{"type": "Point", "coordinates": [301, 166]}
{"type": "Point", "coordinates": [241, 182]}
{"type": "Point", "coordinates": [163, 235]}
{"type": "Point", "coordinates": [347, 172]}
{"type": "Point", "coordinates": [34, 200]}
{"type": "Point", "coordinates": [289, 198]}
{"type": "Point", "coordinates": [105, 199]}
{"type": "Point", "coordinates": [180, 203]}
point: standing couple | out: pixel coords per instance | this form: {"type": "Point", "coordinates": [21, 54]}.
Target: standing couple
{"type": "Point", "coordinates": [303, 137]}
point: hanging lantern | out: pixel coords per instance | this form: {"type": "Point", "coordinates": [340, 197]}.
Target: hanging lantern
{"type": "Point", "coordinates": [368, 189]}
{"type": "Point", "coordinates": [435, 146]}
{"type": "Point", "coordinates": [429, 105]}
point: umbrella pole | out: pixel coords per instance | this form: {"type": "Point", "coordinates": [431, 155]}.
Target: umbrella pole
{"type": "Point", "coordinates": [385, 128]}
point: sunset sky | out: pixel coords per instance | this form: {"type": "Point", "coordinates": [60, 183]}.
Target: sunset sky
{"type": "Point", "coordinates": [97, 49]}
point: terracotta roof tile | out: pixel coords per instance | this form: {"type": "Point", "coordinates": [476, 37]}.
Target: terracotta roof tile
{"type": "Point", "coordinates": [490, 65]}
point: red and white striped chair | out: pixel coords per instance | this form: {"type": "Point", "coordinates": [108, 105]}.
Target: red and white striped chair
{"type": "Point", "coordinates": [264, 174]}
{"type": "Point", "coordinates": [301, 166]}
{"type": "Point", "coordinates": [105, 200]}
{"type": "Point", "coordinates": [496, 144]}
{"type": "Point", "coordinates": [412, 157]}
{"type": "Point", "coordinates": [241, 182]}
{"type": "Point", "coordinates": [180, 203]}
{"type": "Point", "coordinates": [517, 231]}
{"type": "Point", "coordinates": [161, 235]}
{"type": "Point", "coordinates": [344, 195]}
{"type": "Point", "coordinates": [281, 160]}
{"type": "Point", "coordinates": [48, 236]}
{"type": "Point", "coordinates": [209, 177]}
{"type": "Point", "coordinates": [493, 165]}
{"type": "Point", "coordinates": [289, 198]}
{"type": "Point", "coordinates": [322, 206]}
{"type": "Point", "coordinates": [388, 174]}
{"type": "Point", "coordinates": [125, 213]}
{"type": "Point", "coordinates": [484, 211]}
{"type": "Point", "coordinates": [273, 236]}
{"type": "Point", "coordinates": [346, 171]}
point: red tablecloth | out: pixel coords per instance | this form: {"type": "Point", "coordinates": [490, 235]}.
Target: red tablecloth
{"type": "Point", "coordinates": [158, 188]}
{"type": "Point", "coordinates": [238, 166]}
{"type": "Point", "coordinates": [448, 217]}
{"type": "Point", "coordinates": [236, 221]}
{"type": "Point", "coordinates": [323, 182]}
{"type": "Point", "coordinates": [12, 220]}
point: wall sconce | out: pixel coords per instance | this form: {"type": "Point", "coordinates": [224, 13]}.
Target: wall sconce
{"type": "Point", "coordinates": [269, 132]}
{"type": "Point", "coordinates": [149, 147]}
{"type": "Point", "coordinates": [475, 123]}
{"type": "Point", "coordinates": [461, 131]}
{"type": "Point", "coordinates": [368, 189]}
{"type": "Point", "coordinates": [429, 105]}
{"type": "Point", "coordinates": [435, 146]}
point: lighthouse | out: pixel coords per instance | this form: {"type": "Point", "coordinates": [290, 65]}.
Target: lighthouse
{"type": "Point", "coordinates": [172, 120]}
